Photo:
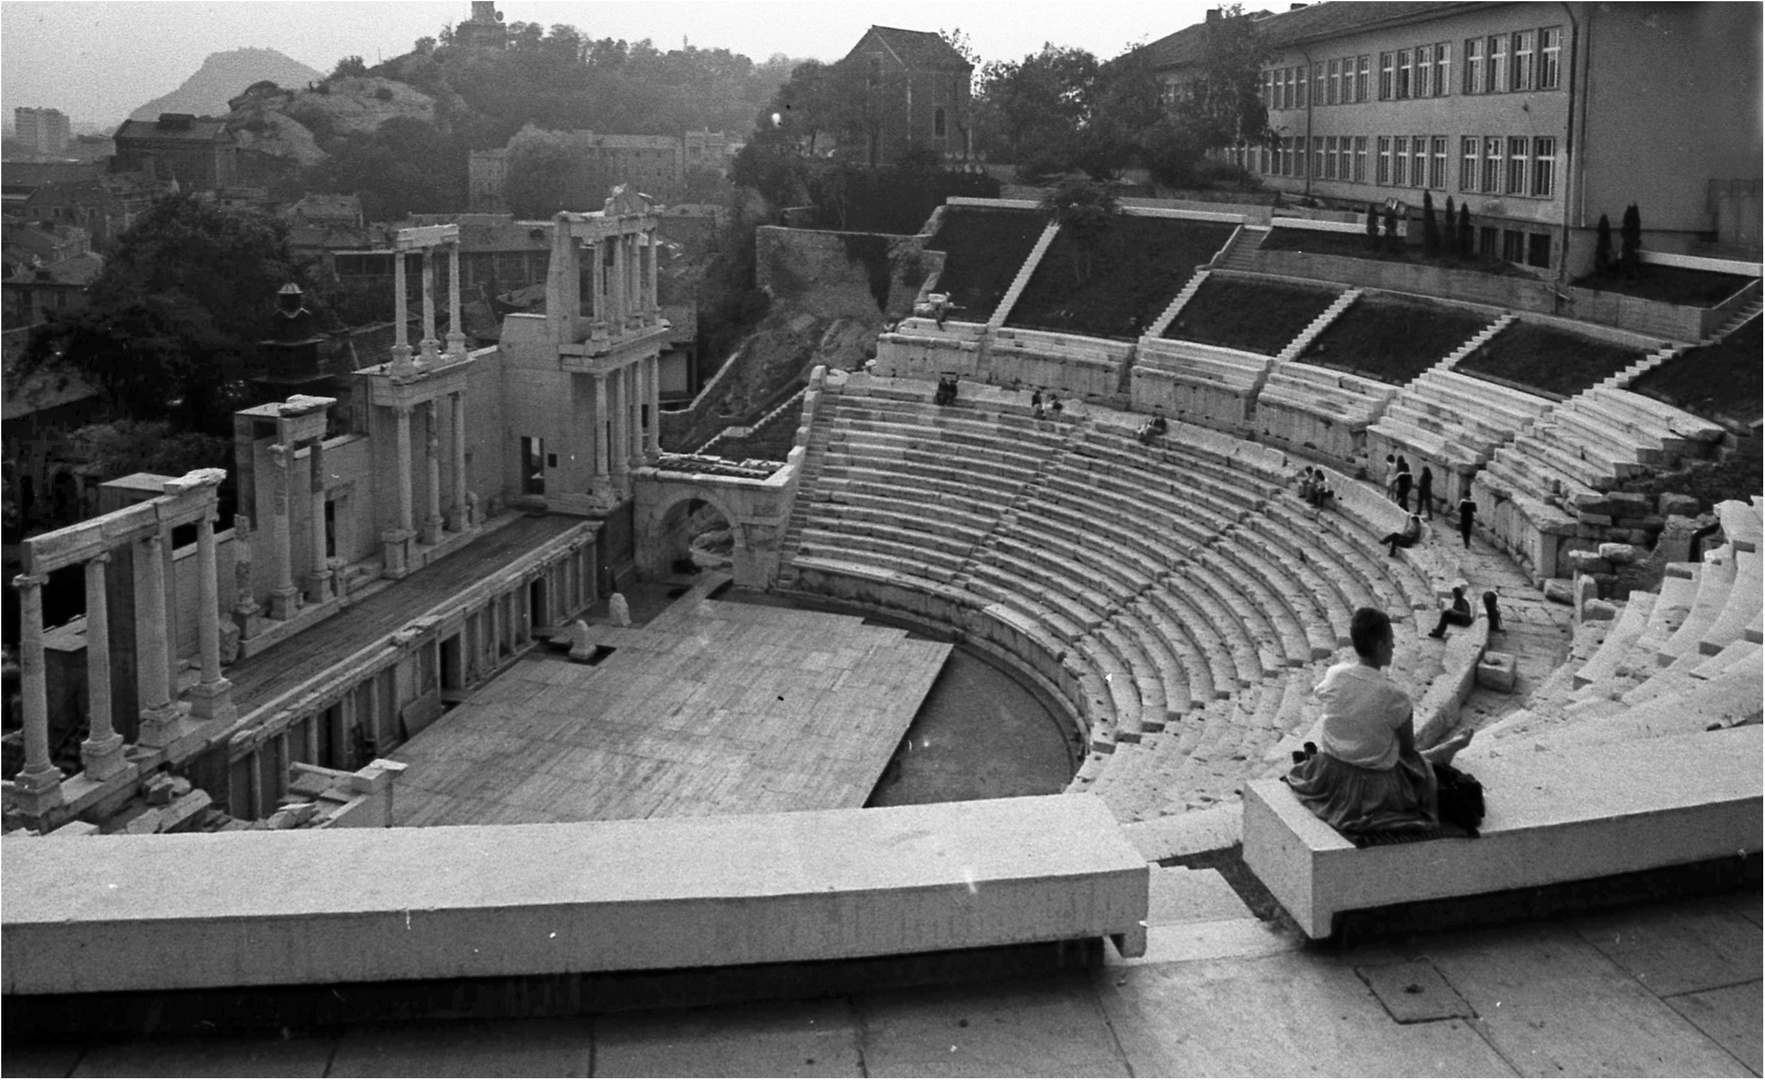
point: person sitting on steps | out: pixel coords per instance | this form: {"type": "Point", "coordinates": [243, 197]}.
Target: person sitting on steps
{"type": "Point", "coordinates": [1411, 532]}
{"type": "Point", "coordinates": [1368, 774]}
{"type": "Point", "coordinates": [1458, 613]}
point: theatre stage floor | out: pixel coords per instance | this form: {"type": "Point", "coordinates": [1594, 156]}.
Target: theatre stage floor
{"type": "Point", "coordinates": [712, 708]}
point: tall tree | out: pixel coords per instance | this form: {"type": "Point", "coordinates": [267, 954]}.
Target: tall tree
{"type": "Point", "coordinates": [1032, 110]}
{"type": "Point", "coordinates": [176, 313]}
{"type": "Point", "coordinates": [1630, 243]}
{"type": "Point", "coordinates": [1219, 103]}
{"type": "Point", "coordinates": [1430, 226]}
{"type": "Point", "coordinates": [1084, 211]}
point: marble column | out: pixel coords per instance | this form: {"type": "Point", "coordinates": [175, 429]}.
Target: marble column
{"type": "Point", "coordinates": [634, 395]}
{"type": "Point", "coordinates": [456, 517]}
{"type": "Point", "coordinates": [652, 311]}
{"type": "Point", "coordinates": [396, 540]}
{"type": "Point", "coordinates": [600, 431]}
{"type": "Point", "coordinates": [37, 787]}
{"type": "Point", "coordinates": [618, 442]}
{"type": "Point", "coordinates": [652, 450]}
{"type": "Point", "coordinates": [616, 287]}
{"type": "Point", "coordinates": [432, 458]}
{"type": "Point", "coordinates": [456, 333]}
{"type": "Point", "coordinates": [401, 344]}
{"type": "Point", "coordinates": [597, 304]}
{"type": "Point", "coordinates": [245, 601]}
{"type": "Point", "coordinates": [429, 343]}
{"type": "Point", "coordinates": [319, 580]}
{"type": "Point", "coordinates": [212, 698]}
{"type": "Point", "coordinates": [101, 754]}
{"type": "Point", "coordinates": [633, 275]}
{"type": "Point", "coordinates": [406, 511]}
{"type": "Point", "coordinates": [282, 597]}
{"type": "Point", "coordinates": [157, 709]}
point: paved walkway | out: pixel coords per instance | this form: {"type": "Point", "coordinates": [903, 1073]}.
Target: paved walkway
{"type": "Point", "coordinates": [1661, 990]}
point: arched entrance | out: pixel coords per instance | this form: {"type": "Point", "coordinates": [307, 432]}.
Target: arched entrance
{"type": "Point", "coordinates": [694, 535]}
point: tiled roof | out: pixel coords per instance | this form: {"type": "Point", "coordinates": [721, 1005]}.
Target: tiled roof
{"type": "Point", "coordinates": [1313, 22]}
{"type": "Point", "coordinates": [915, 48]}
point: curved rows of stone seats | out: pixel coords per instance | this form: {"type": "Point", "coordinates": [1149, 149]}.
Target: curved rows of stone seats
{"type": "Point", "coordinates": [1679, 659]}
{"type": "Point", "coordinates": [1159, 590]}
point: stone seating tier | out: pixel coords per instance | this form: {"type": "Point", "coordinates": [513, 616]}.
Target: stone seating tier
{"type": "Point", "coordinates": [1228, 595]}
{"type": "Point", "coordinates": [1192, 362]}
{"type": "Point", "coordinates": [1551, 459]}
{"type": "Point", "coordinates": [1502, 408]}
{"type": "Point", "coordinates": [1629, 454]}
{"type": "Point", "coordinates": [1654, 420]}
{"type": "Point", "coordinates": [1566, 814]}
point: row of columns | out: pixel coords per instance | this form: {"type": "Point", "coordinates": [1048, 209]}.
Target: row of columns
{"type": "Point", "coordinates": [429, 347]}
{"type": "Point", "coordinates": [621, 399]}
{"type": "Point", "coordinates": [38, 783]}
{"type": "Point", "coordinates": [628, 286]}
{"type": "Point", "coordinates": [432, 524]}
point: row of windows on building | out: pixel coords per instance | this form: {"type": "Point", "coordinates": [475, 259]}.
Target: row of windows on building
{"type": "Point", "coordinates": [1522, 165]}
{"type": "Point", "coordinates": [1497, 63]}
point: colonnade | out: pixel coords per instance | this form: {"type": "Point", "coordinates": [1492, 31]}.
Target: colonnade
{"type": "Point", "coordinates": [623, 296]}
{"type": "Point", "coordinates": [429, 348]}
{"type": "Point", "coordinates": [143, 533]}
{"type": "Point", "coordinates": [622, 397]}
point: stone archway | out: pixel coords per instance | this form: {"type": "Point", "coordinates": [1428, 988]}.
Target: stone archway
{"type": "Point", "coordinates": [669, 504]}
{"type": "Point", "coordinates": [693, 535]}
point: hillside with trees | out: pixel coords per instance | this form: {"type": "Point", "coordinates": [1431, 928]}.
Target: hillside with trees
{"type": "Point", "coordinates": [400, 132]}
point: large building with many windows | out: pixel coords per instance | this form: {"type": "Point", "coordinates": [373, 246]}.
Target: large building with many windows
{"type": "Point", "coordinates": [1540, 116]}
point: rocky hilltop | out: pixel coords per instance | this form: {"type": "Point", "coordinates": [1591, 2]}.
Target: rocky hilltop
{"type": "Point", "coordinates": [223, 76]}
{"type": "Point", "coordinates": [290, 123]}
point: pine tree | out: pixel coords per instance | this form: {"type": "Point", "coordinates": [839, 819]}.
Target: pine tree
{"type": "Point", "coordinates": [1448, 239]}
{"type": "Point", "coordinates": [1430, 226]}
{"type": "Point", "coordinates": [1602, 247]}
{"type": "Point", "coordinates": [1630, 240]}
{"type": "Point", "coordinates": [1372, 227]}
{"type": "Point", "coordinates": [1390, 228]}
{"type": "Point", "coordinates": [1466, 247]}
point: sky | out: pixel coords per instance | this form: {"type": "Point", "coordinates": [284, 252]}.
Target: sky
{"type": "Point", "coordinates": [97, 62]}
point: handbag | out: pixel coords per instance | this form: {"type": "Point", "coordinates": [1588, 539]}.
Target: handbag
{"type": "Point", "coordinates": [1459, 799]}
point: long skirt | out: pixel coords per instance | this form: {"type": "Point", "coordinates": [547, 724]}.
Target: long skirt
{"type": "Point", "coordinates": [1353, 799]}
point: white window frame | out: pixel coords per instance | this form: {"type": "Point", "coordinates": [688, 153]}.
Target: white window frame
{"type": "Point", "coordinates": [1443, 69]}
{"type": "Point", "coordinates": [1493, 172]}
{"type": "Point", "coordinates": [1498, 63]}
{"type": "Point", "coordinates": [1473, 65]}
{"type": "Point", "coordinates": [1437, 163]}
{"type": "Point", "coordinates": [1400, 160]}
{"type": "Point", "coordinates": [1382, 176]}
{"type": "Point", "coordinates": [1519, 167]}
{"type": "Point", "coordinates": [1423, 83]}
{"type": "Point", "coordinates": [1385, 76]}
{"type": "Point", "coordinates": [1523, 44]}
{"type": "Point", "coordinates": [1544, 166]}
{"type": "Point", "coordinates": [1360, 159]}
{"type": "Point", "coordinates": [1550, 57]}
{"type": "Point", "coordinates": [1362, 79]}
{"type": "Point", "coordinates": [1468, 145]}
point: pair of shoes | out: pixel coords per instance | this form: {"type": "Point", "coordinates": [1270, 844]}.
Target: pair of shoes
{"type": "Point", "coordinates": [1436, 634]}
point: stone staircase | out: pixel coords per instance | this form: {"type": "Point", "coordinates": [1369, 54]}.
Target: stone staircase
{"type": "Point", "coordinates": [1024, 273]}
{"type": "Point", "coordinates": [1184, 295]}
{"type": "Point", "coordinates": [1477, 341]}
{"type": "Point", "coordinates": [1303, 341]}
{"type": "Point", "coordinates": [1240, 253]}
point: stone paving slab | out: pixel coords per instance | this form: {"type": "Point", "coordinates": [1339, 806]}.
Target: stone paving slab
{"type": "Point", "coordinates": [467, 1048]}
{"type": "Point", "coordinates": [1730, 1016]}
{"type": "Point", "coordinates": [1285, 1015]}
{"type": "Point", "coordinates": [1044, 1027]}
{"type": "Point", "coordinates": [1553, 1005]}
{"type": "Point", "coordinates": [203, 1056]}
{"type": "Point", "coordinates": [1704, 946]}
{"type": "Point", "coordinates": [792, 1038]}
{"type": "Point", "coordinates": [1213, 940]}
{"type": "Point", "coordinates": [1180, 895]}
{"type": "Point", "coordinates": [1413, 991]}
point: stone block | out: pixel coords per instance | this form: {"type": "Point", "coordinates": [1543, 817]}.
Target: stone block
{"type": "Point", "coordinates": [1588, 562]}
{"type": "Point", "coordinates": [1628, 503]}
{"type": "Point", "coordinates": [1598, 611]}
{"type": "Point", "coordinates": [1585, 589]}
{"type": "Point", "coordinates": [1671, 503]}
{"type": "Point", "coordinates": [1641, 538]}
{"type": "Point", "coordinates": [1496, 672]}
{"type": "Point", "coordinates": [1559, 590]}
{"type": "Point", "coordinates": [1618, 554]}
{"type": "Point", "coordinates": [1600, 520]}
